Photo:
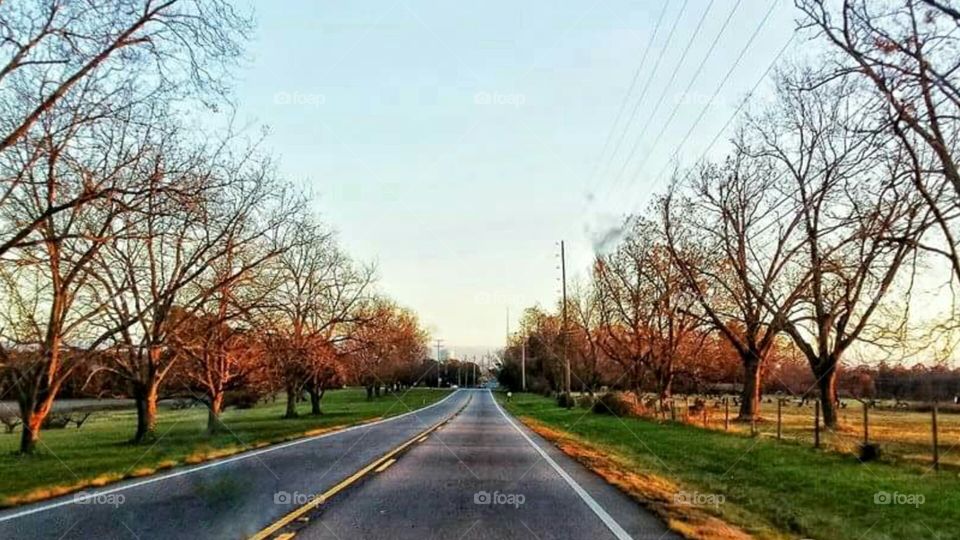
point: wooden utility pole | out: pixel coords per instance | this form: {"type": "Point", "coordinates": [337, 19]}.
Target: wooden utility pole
{"type": "Point", "coordinates": [523, 364]}
{"type": "Point", "coordinates": [439, 341]}
{"type": "Point", "coordinates": [726, 414]}
{"type": "Point", "coordinates": [866, 423]}
{"type": "Point", "coordinates": [563, 279]}
{"type": "Point", "coordinates": [779, 418]}
{"type": "Point", "coordinates": [936, 442]}
{"type": "Point", "coordinates": [816, 424]}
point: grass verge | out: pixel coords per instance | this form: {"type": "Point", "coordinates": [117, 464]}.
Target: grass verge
{"type": "Point", "coordinates": [99, 453]}
{"type": "Point", "coordinates": [768, 490]}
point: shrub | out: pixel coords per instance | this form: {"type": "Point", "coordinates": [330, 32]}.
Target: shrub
{"type": "Point", "coordinates": [586, 402]}
{"type": "Point", "coordinates": [566, 400]}
{"type": "Point", "coordinates": [241, 399]}
{"type": "Point", "coordinates": [614, 403]}
{"type": "Point", "coordinates": [869, 452]}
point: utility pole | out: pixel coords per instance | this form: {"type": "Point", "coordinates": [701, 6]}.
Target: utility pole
{"type": "Point", "coordinates": [439, 341]}
{"type": "Point", "coordinates": [523, 364]}
{"type": "Point", "coordinates": [563, 329]}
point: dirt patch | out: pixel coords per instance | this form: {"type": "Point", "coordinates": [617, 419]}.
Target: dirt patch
{"type": "Point", "coordinates": [658, 494]}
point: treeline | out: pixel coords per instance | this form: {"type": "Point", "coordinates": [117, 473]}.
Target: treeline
{"type": "Point", "coordinates": [711, 369]}
{"type": "Point", "coordinates": [803, 240]}
{"type": "Point", "coordinates": [145, 254]}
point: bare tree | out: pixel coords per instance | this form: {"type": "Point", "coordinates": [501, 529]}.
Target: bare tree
{"type": "Point", "coordinates": [589, 359]}
{"type": "Point", "coordinates": [842, 179]}
{"type": "Point", "coordinates": [53, 270]}
{"type": "Point", "coordinates": [386, 339]}
{"type": "Point", "coordinates": [732, 235]}
{"type": "Point", "coordinates": [909, 52]}
{"type": "Point", "coordinates": [87, 60]}
{"type": "Point", "coordinates": [316, 294]}
{"type": "Point", "coordinates": [646, 308]}
{"type": "Point", "coordinates": [209, 224]}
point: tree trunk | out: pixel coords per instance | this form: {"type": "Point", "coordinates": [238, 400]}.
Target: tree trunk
{"type": "Point", "coordinates": [827, 382]}
{"type": "Point", "coordinates": [214, 425]}
{"type": "Point", "coordinates": [291, 403]}
{"type": "Point", "coordinates": [369, 393]}
{"type": "Point", "coordinates": [315, 395]}
{"type": "Point", "coordinates": [666, 386]}
{"type": "Point", "coordinates": [750, 395]}
{"type": "Point", "coordinates": [32, 423]}
{"type": "Point", "coordinates": [376, 390]}
{"type": "Point", "coordinates": [36, 405]}
{"type": "Point", "coordinates": [145, 397]}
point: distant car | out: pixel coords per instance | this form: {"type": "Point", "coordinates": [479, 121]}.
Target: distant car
{"type": "Point", "coordinates": [454, 386]}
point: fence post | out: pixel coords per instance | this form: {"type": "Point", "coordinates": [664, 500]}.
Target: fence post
{"type": "Point", "coordinates": [936, 448]}
{"type": "Point", "coordinates": [673, 411]}
{"type": "Point", "coordinates": [704, 414]}
{"type": "Point", "coordinates": [779, 418]}
{"type": "Point", "coordinates": [726, 414]}
{"type": "Point", "coordinates": [816, 424]}
{"type": "Point", "coordinates": [866, 423]}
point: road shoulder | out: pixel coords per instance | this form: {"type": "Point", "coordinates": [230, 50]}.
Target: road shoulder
{"type": "Point", "coordinates": [619, 503]}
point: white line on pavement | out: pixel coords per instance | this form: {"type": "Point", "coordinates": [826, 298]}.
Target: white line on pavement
{"type": "Point", "coordinates": [69, 499]}
{"type": "Point", "coordinates": [607, 520]}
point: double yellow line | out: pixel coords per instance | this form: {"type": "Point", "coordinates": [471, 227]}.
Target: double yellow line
{"type": "Point", "coordinates": [383, 461]}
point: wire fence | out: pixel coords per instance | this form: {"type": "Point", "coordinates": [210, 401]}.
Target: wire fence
{"type": "Point", "coordinates": [926, 435]}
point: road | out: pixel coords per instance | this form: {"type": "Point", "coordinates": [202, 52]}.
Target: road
{"type": "Point", "coordinates": [481, 475]}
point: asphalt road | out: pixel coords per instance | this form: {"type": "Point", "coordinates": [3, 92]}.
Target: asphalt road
{"type": "Point", "coordinates": [482, 475]}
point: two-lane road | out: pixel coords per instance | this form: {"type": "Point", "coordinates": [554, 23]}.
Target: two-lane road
{"type": "Point", "coordinates": [482, 475]}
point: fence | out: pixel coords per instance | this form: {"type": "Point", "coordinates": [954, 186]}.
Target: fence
{"type": "Point", "coordinates": [923, 434]}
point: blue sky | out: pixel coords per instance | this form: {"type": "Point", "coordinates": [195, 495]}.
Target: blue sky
{"type": "Point", "coordinates": [454, 144]}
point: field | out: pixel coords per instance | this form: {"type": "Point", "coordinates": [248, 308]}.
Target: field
{"type": "Point", "coordinates": [905, 436]}
{"type": "Point", "coordinates": [98, 453]}
{"type": "Point", "coordinates": [769, 489]}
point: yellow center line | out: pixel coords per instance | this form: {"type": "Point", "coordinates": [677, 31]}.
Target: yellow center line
{"type": "Point", "coordinates": [386, 464]}
{"type": "Point", "coordinates": [317, 501]}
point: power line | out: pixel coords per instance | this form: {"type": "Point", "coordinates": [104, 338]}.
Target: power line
{"type": "Point", "coordinates": [656, 107]}
{"type": "Point", "coordinates": [733, 115]}
{"type": "Point", "coordinates": [646, 87]}
{"type": "Point", "coordinates": [716, 92]}
{"type": "Point", "coordinates": [699, 69]}
{"type": "Point", "coordinates": [626, 97]}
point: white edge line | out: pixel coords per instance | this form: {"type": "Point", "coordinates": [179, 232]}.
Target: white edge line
{"type": "Point", "coordinates": [607, 520]}
{"type": "Point", "coordinates": [71, 498]}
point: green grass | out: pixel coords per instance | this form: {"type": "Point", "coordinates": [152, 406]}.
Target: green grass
{"type": "Point", "coordinates": [769, 487]}
{"type": "Point", "coordinates": [99, 452]}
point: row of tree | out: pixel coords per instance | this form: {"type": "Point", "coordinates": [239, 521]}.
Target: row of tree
{"type": "Point", "coordinates": [806, 238]}
{"type": "Point", "coordinates": [150, 255]}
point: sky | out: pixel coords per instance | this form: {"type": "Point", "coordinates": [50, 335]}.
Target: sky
{"type": "Point", "coordinates": [454, 144]}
